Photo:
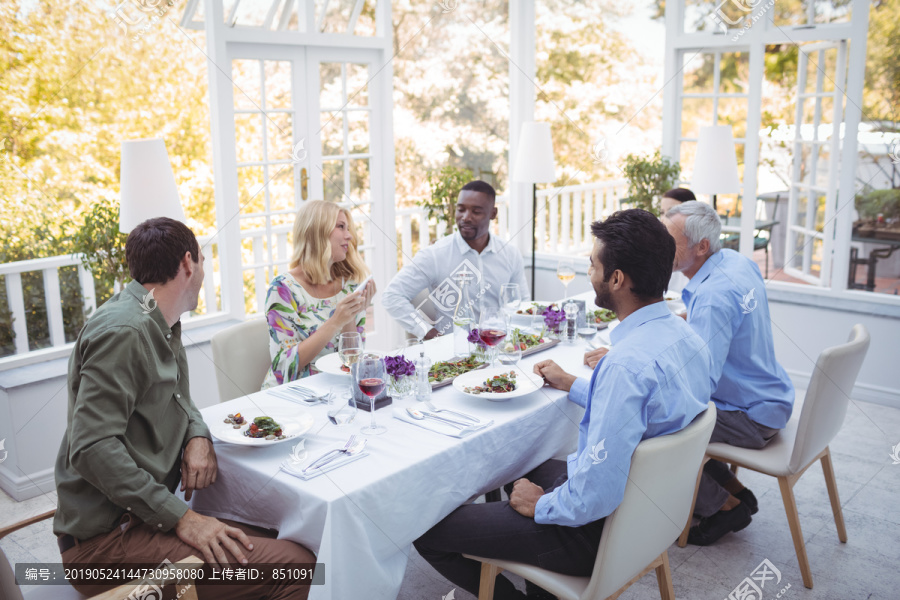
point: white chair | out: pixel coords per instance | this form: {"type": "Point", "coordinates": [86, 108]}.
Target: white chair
{"type": "Point", "coordinates": [637, 535]}
{"type": "Point", "coordinates": [9, 590]}
{"type": "Point", "coordinates": [805, 439]}
{"type": "Point", "coordinates": [241, 358]}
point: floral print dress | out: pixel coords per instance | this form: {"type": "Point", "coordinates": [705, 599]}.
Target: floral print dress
{"type": "Point", "coordinates": [294, 315]}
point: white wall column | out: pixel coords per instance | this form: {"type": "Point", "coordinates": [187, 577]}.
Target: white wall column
{"type": "Point", "coordinates": [522, 95]}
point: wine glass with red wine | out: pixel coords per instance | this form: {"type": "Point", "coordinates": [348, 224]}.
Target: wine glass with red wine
{"type": "Point", "coordinates": [371, 378]}
{"type": "Point", "coordinates": [492, 330]}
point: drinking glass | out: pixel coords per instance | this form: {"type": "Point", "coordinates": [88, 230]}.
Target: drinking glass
{"type": "Point", "coordinates": [492, 330]}
{"type": "Point", "coordinates": [350, 346]}
{"type": "Point", "coordinates": [510, 298]}
{"type": "Point", "coordinates": [587, 331]}
{"type": "Point", "coordinates": [565, 271]}
{"type": "Point", "coordinates": [341, 406]}
{"type": "Point", "coordinates": [510, 350]}
{"type": "Point", "coordinates": [371, 379]}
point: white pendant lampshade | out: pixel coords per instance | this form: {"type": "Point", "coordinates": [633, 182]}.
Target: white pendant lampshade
{"type": "Point", "coordinates": [534, 156]}
{"type": "Point", "coordinates": [715, 168]}
{"type": "Point", "coordinates": [147, 184]}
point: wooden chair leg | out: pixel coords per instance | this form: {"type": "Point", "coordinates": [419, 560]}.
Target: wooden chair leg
{"type": "Point", "coordinates": [489, 574]}
{"type": "Point", "coordinates": [734, 469]}
{"type": "Point", "coordinates": [682, 539]}
{"type": "Point", "coordinates": [790, 508]}
{"type": "Point", "coordinates": [664, 578]}
{"type": "Point", "coordinates": [831, 483]}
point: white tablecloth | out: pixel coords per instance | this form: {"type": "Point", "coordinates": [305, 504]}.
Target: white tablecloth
{"type": "Point", "coordinates": [361, 519]}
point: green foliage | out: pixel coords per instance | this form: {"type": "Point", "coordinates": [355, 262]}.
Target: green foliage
{"type": "Point", "coordinates": [102, 245]}
{"type": "Point", "coordinates": [445, 185]}
{"type": "Point", "coordinates": [648, 178]}
{"type": "Point", "coordinates": [872, 203]}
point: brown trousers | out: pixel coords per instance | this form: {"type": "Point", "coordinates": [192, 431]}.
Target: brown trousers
{"type": "Point", "coordinates": [136, 542]}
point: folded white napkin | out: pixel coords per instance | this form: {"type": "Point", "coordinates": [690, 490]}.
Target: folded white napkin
{"type": "Point", "coordinates": [439, 427]}
{"type": "Point", "coordinates": [297, 470]}
{"type": "Point", "coordinates": [282, 392]}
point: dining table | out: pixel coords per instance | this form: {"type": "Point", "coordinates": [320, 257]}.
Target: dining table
{"type": "Point", "coordinates": [361, 518]}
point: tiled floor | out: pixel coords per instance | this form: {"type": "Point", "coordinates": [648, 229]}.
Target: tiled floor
{"type": "Point", "coordinates": [865, 568]}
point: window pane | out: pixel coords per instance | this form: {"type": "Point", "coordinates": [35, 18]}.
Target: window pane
{"type": "Point", "coordinates": [733, 112]}
{"type": "Point", "coordinates": [734, 73]}
{"type": "Point", "coordinates": [359, 180]}
{"type": "Point", "coordinates": [333, 180]}
{"type": "Point", "coordinates": [278, 84]}
{"type": "Point", "coordinates": [250, 190]}
{"type": "Point", "coordinates": [281, 187]}
{"type": "Point", "coordinates": [245, 75]}
{"type": "Point", "coordinates": [358, 124]}
{"type": "Point", "coordinates": [332, 133]}
{"type": "Point", "coordinates": [357, 84]}
{"type": "Point", "coordinates": [248, 137]}
{"type": "Point", "coordinates": [280, 136]}
{"type": "Point", "coordinates": [695, 113]}
{"type": "Point", "coordinates": [330, 94]}
{"type": "Point", "coordinates": [698, 72]}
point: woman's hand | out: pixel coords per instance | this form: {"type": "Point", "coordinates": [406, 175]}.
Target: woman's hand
{"type": "Point", "coordinates": [349, 306]}
{"type": "Point", "coordinates": [369, 292]}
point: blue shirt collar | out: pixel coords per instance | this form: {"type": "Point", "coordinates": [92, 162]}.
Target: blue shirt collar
{"type": "Point", "coordinates": [700, 276]}
{"type": "Point", "coordinates": [638, 318]}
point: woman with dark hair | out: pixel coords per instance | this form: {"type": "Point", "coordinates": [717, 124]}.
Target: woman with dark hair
{"type": "Point", "coordinates": [674, 197]}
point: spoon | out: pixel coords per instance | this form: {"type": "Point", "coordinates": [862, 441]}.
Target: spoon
{"type": "Point", "coordinates": [419, 415]}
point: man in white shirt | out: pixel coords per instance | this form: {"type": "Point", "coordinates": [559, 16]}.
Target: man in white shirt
{"type": "Point", "coordinates": [491, 261]}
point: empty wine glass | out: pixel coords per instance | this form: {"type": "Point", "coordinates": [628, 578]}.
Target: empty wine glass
{"type": "Point", "coordinates": [371, 379]}
{"type": "Point", "coordinates": [565, 271]}
{"type": "Point", "coordinates": [492, 330]}
{"type": "Point", "coordinates": [510, 298]}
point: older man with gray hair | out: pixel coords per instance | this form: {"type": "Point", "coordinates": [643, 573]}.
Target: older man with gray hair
{"type": "Point", "coordinates": [727, 307]}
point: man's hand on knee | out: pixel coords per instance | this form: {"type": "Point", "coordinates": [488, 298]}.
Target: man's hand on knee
{"type": "Point", "coordinates": [524, 497]}
{"type": "Point", "coordinates": [212, 537]}
{"type": "Point", "coordinates": [198, 466]}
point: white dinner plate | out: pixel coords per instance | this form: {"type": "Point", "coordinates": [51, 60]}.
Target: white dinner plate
{"type": "Point", "coordinates": [291, 427]}
{"type": "Point", "coordinates": [526, 383]}
{"type": "Point", "coordinates": [331, 363]}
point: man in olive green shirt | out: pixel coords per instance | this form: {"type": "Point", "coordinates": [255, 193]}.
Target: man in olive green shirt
{"type": "Point", "coordinates": [133, 432]}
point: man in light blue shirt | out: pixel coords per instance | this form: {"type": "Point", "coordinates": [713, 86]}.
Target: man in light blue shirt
{"type": "Point", "coordinates": [653, 382]}
{"type": "Point", "coordinates": [727, 306]}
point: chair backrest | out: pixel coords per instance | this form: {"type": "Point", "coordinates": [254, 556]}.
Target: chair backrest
{"type": "Point", "coordinates": [426, 307]}
{"type": "Point", "coordinates": [655, 506]}
{"type": "Point", "coordinates": [8, 588]}
{"type": "Point", "coordinates": [241, 357]}
{"type": "Point", "coordinates": [827, 397]}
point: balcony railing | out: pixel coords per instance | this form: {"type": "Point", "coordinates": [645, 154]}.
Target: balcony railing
{"type": "Point", "coordinates": [563, 227]}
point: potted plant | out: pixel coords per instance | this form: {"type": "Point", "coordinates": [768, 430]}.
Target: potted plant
{"type": "Point", "coordinates": [648, 179]}
{"type": "Point", "coordinates": [445, 185]}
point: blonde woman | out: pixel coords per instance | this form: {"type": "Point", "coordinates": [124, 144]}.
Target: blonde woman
{"type": "Point", "coordinates": [308, 307]}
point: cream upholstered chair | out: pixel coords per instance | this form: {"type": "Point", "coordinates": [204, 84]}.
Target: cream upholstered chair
{"type": "Point", "coordinates": [241, 357]}
{"type": "Point", "coordinates": [637, 535]}
{"type": "Point", "coordinates": [9, 590]}
{"type": "Point", "coordinates": [805, 439]}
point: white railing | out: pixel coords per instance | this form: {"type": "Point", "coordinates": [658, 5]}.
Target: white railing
{"type": "Point", "coordinates": [563, 221]}
{"type": "Point", "coordinates": [49, 268]}
{"type": "Point", "coordinates": [565, 214]}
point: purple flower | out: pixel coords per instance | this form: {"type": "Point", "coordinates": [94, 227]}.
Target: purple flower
{"type": "Point", "coordinates": [398, 366]}
{"type": "Point", "coordinates": [474, 338]}
{"type": "Point", "coordinates": [553, 317]}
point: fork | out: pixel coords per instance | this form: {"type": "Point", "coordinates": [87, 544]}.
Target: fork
{"type": "Point", "coordinates": [435, 409]}
{"type": "Point", "coordinates": [307, 395]}
{"type": "Point", "coordinates": [347, 446]}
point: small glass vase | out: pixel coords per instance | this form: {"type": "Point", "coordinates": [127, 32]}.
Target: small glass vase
{"type": "Point", "coordinates": [401, 388]}
{"type": "Point", "coordinates": [480, 352]}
